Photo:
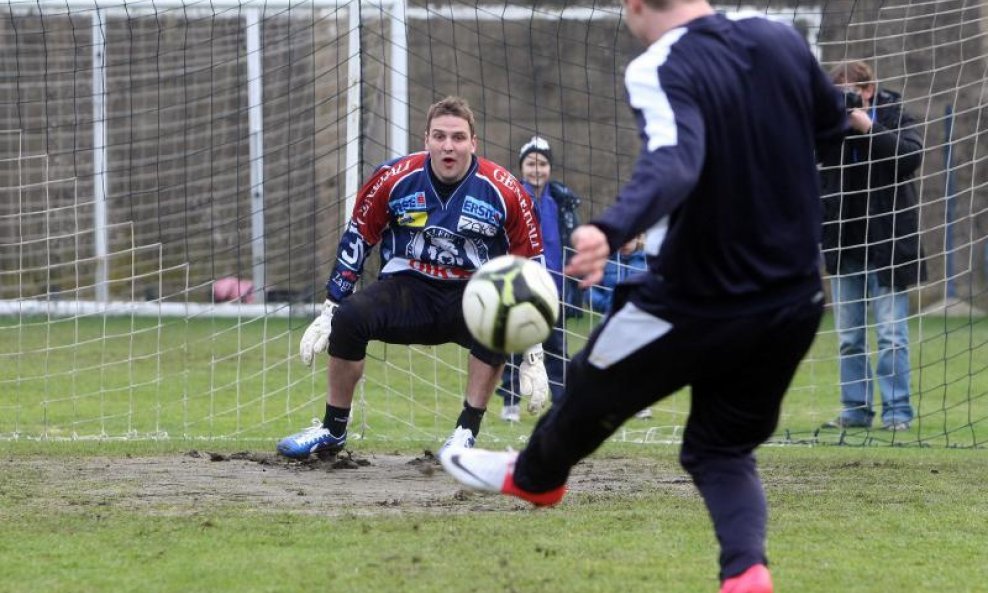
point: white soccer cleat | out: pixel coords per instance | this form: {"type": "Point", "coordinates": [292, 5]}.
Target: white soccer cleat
{"type": "Point", "coordinates": [478, 468]}
{"type": "Point", "coordinates": [493, 471]}
{"type": "Point", "coordinates": [462, 438]}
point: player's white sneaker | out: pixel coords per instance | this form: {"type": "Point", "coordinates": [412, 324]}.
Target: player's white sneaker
{"type": "Point", "coordinates": [511, 413]}
{"type": "Point", "coordinates": [644, 413]}
{"type": "Point", "coordinates": [493, 471]}
{"type": "Point", "coordinates": [462, 438]}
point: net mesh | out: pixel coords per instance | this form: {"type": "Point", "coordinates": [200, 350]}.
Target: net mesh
{"type": "Point", "coordinates": [153, 149]}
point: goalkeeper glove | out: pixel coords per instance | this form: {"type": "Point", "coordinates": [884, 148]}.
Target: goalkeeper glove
{"type": "Point", "coordinates": [532, 379]}
{"type": "Point", "coordinates": [316, 336]}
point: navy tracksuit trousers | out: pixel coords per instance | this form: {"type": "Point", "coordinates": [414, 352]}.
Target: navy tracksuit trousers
{"type": "Point", "coordinates": [738, 369]}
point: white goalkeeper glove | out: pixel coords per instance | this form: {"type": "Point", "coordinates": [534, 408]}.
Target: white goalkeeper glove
{"type": "Point", "coordinates": [316, 336]}
{"type": "Point", "coordinates": [532, 379]}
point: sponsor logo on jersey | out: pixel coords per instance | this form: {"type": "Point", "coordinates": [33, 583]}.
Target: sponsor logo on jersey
{"type": "Point", "coordinates": [440, 272]}
{"type": "Point", "coordinates": [389, 172]}
{"type": "Point", "coordinates": [412, 202]}
{"type": "Point", "coordinates": [410, 210]}
{"type": "Point", "coordinates": [414, 219]}
{"type": "Point", "coordinates": [528, 217]}
{"type": "Point", "coordinates": [441, 246]}
{"type": "Point", "coordinates": [505, 178]}
{"type": "Point", "coordinates": [480, 210]}
{"type": "Point", "coordinates": [344, 281]}
{"type": "Point", "coordinates": [472, 225]}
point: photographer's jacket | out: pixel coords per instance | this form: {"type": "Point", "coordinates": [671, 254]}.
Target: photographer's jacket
{"type": "Point", "coordinates": [870, 204]}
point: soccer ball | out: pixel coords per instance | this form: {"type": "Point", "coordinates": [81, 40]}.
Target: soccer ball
{"type": "Point", "coordinates": [510, 304]}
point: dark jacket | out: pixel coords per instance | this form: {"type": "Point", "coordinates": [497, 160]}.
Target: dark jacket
{"type": "Point", "coordinates": [567, 202]}
{"type": "Point", "coordinates": [871, 210]}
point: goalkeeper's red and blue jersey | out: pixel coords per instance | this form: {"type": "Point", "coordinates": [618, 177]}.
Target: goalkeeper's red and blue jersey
{"type": "Point", "coordinates": [730, 112]}
{"type": "Point", "coordinates": [487, 215]}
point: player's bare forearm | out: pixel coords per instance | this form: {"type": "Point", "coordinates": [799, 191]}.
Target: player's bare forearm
{"type": "Point", "coordinates": [592, 250]}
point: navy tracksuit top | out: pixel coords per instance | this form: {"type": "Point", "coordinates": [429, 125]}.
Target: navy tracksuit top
{"type": "Point", "coordinates": [726, 172]}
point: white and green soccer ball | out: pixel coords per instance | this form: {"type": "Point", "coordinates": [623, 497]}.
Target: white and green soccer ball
{"type": "Point", "coordinates": [510, 304]}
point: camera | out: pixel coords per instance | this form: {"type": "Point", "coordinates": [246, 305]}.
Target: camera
{"type": "Point", "coordinates": [852, 100]}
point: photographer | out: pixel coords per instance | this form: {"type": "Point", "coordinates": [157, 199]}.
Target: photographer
{"type": "Point", "coordinates": [871, 245]}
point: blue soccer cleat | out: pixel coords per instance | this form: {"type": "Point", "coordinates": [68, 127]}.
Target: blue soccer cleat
{"type": "Point", "coordinates": [311, 440]}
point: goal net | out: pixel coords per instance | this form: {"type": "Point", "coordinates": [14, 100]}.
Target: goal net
{"type": "Point", "coordinates": [175, 176]}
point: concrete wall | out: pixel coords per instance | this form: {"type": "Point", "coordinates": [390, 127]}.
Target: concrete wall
{"type": "Point", "coordinates": [178, 141]}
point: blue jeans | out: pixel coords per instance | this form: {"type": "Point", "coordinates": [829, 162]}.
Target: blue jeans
{"type": "Point", "coordinates": [853, 295]}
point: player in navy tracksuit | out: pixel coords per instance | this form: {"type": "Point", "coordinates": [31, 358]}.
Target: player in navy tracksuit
{"type": "Point", "coordinates": [438, 215]}
{"type": "Point", "coordinates": [729, 114]}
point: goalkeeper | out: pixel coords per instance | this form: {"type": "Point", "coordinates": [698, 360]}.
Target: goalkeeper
{"type": "Point", "coordinates": [438, 215]}
{"type": "Point", "coordinates": [729, 112]}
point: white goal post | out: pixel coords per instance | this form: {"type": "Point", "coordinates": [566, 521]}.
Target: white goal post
{"type": "Point", "coordinates": [251, 12]}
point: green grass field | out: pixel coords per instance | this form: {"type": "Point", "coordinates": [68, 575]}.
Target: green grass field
{"type": "Point", "coordinates": [211, 378]}
{"type": "Point", "coordinates": [868, 520]}
{"type": "Point", "coordinates": [78, 516]}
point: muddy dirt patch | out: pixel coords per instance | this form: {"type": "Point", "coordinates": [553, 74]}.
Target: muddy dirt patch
{"type": "Point", "coordinates": [198, 481]}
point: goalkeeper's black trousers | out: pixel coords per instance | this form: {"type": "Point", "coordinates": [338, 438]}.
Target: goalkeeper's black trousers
{"type": "Point", "coordinates": [738, 370]}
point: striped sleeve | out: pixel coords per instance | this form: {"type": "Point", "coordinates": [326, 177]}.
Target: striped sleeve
{"type": "Point", "coordinates": [673, 145]}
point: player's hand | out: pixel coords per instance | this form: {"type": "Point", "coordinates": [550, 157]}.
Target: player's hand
{"type": "Point", "coordinates": [592, 250]}
{"type": "Point", "coordinates": [859, 121]}
{"type": "Point", "coordinates": [316, 336]}
{"type": "Point", "coordinates": [533, 382]}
